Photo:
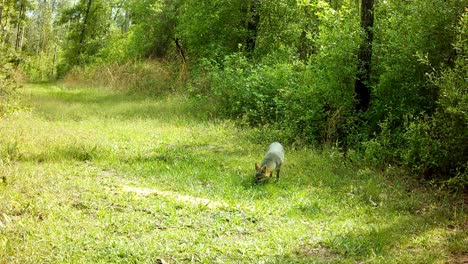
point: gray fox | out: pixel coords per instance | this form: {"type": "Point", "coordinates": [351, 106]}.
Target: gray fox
{"type": "Point", "coordinates": [271, 162]}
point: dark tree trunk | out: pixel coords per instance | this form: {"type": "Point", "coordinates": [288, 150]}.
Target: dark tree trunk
{"type": "Point", "coordinates": [180, 50]}
{"type": "Point", "coordinates": [362, 87]}
{"type": "Point", "coordinates": [19, 28]}
{"type": "Point", "coordinates": [253, 19]}
{"type": "Point", "coordinates": [85, 24]}
{"type": "Point", "coordinates": [306, 45]}
{"type": "Point", "coordinates": [1, 13]}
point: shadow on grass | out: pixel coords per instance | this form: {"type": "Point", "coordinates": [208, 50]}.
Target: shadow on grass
{"type": "Point", "coordinates": [391, 241]}
{"type": "Point", "coordinates": [403, 229]}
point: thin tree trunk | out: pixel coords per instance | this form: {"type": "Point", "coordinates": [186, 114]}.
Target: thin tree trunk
{"type": "Point", "coordinates": [362, 84]}
{"type": "Point", "coordinates": [126, 23]}
{"type": "Point", "coordinates": [19, 27]}
{"type": "Point", "coordinates": [1, 13]}
{"type": "Point", "coordinates": [183, 65]}
{"type": "Point", "coordinates": [4, 29]}
{"type": "Point", "coordinates": [54, 62]}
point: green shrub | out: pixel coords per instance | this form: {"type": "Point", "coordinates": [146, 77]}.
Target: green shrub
{"type": "Point", "coordinates": [254, 92]}
{"type": "Point", "coordinates": [432, 145]}
{"type": "Point", "coordinates": [308, 103]}
{"type": "Point", "coordinates": [406, 48]}
{"type": "Point", "coordinates": [442, 138]}
{"type": "Point", "coordinates": [8, 84]}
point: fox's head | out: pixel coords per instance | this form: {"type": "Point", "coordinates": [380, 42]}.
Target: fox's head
{"type": "Point", "coordinates": [262, 172]}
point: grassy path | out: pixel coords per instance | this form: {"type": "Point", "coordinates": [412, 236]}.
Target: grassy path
{"type": "Point", "coordinates": [96, 176]}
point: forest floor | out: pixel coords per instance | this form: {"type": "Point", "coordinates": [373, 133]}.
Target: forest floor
{"type": "Point", "coordinates": [98, 176]}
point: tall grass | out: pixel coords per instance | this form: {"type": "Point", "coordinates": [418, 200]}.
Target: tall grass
{"type": "Point", "coordinates": [150, 76]}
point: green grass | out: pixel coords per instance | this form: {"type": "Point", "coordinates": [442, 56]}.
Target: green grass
{"type": "Point", "coordinates": [95, 176]}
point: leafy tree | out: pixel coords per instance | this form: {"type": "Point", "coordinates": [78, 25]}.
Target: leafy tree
{"type": "Point", "coordinates": [414, 124]}
{"type": "Point", "coordinates": [88, 25]}
{"type": "Point", "coordinates": [43, 36]}
{"type": "Point", "coordinates": [150, 38]}
{"type": "Point", "coordinates": [7, 81]}
{"type": "Point", "coordinates": [402, 41]}
{"type": "Point", "coordinates": [214, 29]}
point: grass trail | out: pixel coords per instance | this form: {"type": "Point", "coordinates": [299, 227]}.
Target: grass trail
{"type": "Point", "coordinates": [94, 176]}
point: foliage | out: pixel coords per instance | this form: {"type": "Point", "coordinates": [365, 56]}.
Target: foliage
{"type": "Point", "coordinates": [312, 102]}
{"type": "Point", "coordinates": [89, 23]}
{"type": "Point", "coordinates": [428, 142]}
{"type": "Point", "coordinates": [441, 136]}
{"type": "Point", "coordinates": [149, 39]}
{"type": "Point", "coordinates": [281, 22]}
{"type": "Point", "coordinates": [12, 17]}
{"type": "Point", "coordinates": [402, 40]}
{"type": "Point", "coordinates": [212, 29]}
{"type": "Point", "coordinates": [7, 82]}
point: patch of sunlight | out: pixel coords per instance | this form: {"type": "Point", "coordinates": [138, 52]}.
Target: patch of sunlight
{"type": "Point", "coordinates": [185, 199]}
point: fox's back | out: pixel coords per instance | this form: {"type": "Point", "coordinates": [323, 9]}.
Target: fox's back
{"type": "Point", "coordinates": [275, 153]}
{"type": "Point", "coordinates": [270, 163]}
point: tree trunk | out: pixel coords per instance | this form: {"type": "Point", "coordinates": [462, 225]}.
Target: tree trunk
{"type": "Point", "coordinates": [180, 50]}
{"type": "Point", "coordinates": [2, 30]}
{"type": "Point", "coordinates": [83, 28]}
{"type": "Point", "coordinates": [306, 45]}
{"type": "Point", "coordinates": [253, 19]}
{"type": "Point", "coordinates": [362, 84]}
{"type": "Point", "coordinates": [1, 13]}
{"type": "Point", "coordinates": [19, 27]}
{"type": "Point", "coordinates": [126, 23]}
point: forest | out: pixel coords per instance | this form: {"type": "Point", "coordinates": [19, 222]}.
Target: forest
{"type": "Point", "coordinates": [369, 98]}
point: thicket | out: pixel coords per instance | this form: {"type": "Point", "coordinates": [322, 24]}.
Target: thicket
{"type": "Point", "coordinates": [8, 83]}
{"type": "Point", "coordinates": [288, 67]}
{"type": "Point", "coordinates": [12, 15]}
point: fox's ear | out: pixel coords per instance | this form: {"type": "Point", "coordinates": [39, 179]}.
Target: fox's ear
{"type": "Point", "coordinates": [264, 169]}
{"type": "Point", "coordinates": [268, 172]}
{"type": "Point", "coordinates": [257, 166]}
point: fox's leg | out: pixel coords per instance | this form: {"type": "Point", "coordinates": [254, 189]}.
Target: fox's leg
{"type": "Point", "coordinates": [277, 174]}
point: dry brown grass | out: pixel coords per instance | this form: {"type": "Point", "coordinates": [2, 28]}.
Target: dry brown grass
{"type": "Point", "coordinates": [152, 76]}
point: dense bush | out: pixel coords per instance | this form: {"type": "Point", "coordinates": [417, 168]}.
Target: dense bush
{"type": "Point", "coordinates": [8, 84]}
{"type": "Point", "coordinates": [406, 49]}
{"type": "Point", "coordinates": [442, 137]}
{"type": "Point", "coordinates": [431, 143]}
{"type": "Point", "coordinates": [310, 102]}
